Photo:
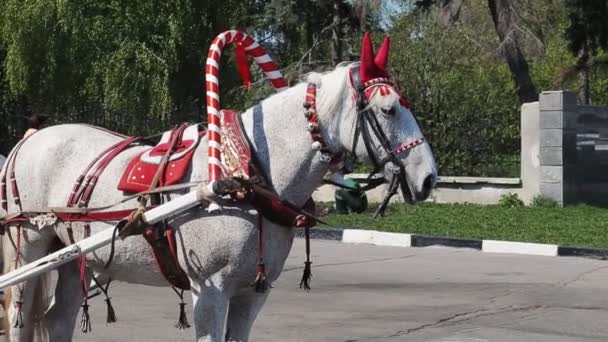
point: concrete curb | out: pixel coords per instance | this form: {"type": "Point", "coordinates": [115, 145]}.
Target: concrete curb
{"type": "Point", "coordinates": [377, 238]}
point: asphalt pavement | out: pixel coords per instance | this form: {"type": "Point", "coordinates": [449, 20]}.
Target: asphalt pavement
{"type": "Point", "coordinates": [368, 293]}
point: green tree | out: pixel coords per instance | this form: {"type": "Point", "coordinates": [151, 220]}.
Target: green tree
{"type": "Point", "coordinates": [508, 27]}
{"type": "Point", "coordinates": [114, 63]}
{"type": "Point", "coordinates": [138, 67]}
{"type": "Point", "coordinates": [462, 95]}
{"type": "Point", "coordinates": [587, 35]}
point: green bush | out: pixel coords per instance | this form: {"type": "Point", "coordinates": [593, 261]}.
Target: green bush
{"type": "Point", "coordinates": [541, 201]}
{"type": "Point", "coordinates": [510, 200]}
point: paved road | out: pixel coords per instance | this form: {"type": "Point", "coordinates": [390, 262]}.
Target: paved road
{"type": "Point", "coordinates": [366, 293]}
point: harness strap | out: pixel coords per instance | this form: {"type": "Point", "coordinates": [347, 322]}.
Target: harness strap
{"type": "Point", "coordinates": [177, 135]}
{"type": "Point", "coordinates": [161, 236]}
{"type": "Point", "coordinates": [77, 191]}
{"type": "Point", "coordinates": [3, 201]}
{"type": "Point", "coordinates": [260, 284]}
{"type": "Point", "coordinates": [81, 195]}
{"type": "Point", "coordinates": [77, 210]}
{"type": "Point", "coordinates": [92, 181]}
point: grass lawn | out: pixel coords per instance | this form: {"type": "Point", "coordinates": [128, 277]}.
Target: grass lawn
{"type": "Point", "coordinates": [581, 226]}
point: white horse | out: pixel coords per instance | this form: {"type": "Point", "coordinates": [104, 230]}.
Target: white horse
{"type": "Point", "coordinates": [2, 160]}
{"type": "Point", "coordinates": [217, 251]}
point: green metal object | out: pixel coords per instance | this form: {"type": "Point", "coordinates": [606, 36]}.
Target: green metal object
{"type": "Point", "coordinates": [350, 201]}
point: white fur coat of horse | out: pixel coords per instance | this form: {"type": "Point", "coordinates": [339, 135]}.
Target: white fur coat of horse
{"type": "Point", "coordinates": [217, 251]}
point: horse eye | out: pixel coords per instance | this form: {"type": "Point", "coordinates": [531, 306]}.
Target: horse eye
{"type": "Point", "coordinates": [389, 111]}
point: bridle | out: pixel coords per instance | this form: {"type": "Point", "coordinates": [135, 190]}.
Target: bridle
{"type": "Point", "coordinates": [367, 127]}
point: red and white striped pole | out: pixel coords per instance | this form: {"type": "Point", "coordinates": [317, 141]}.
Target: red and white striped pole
{"type": "Point", "coordinates": [212, 71]}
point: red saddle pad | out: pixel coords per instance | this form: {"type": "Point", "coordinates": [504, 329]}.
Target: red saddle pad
{"type": "Point", "coordinates": [138, 175]}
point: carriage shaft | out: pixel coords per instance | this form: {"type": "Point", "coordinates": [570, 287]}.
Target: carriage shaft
{"type": "Point", "coordinates": [103, 238]}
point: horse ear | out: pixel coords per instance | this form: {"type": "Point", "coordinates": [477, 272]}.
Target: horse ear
{"type": "Point", "coordinates": [367, 67]}
{"type": "Point", "coordinates": [382, 55]}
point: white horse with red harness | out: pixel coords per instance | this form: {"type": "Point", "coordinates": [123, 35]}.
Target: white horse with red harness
{"type": "Point", "coordinates": [228, 253]}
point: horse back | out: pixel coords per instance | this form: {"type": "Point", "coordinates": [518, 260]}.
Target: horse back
{"type": "Point", "coordinates": [51, 160]}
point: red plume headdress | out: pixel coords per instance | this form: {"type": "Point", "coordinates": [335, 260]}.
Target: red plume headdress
{"type": "Point", "coordinates": [373, 65]}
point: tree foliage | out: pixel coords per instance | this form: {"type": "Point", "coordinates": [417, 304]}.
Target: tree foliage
{"type": "Point", "coordinates": [464, 100]}
{"type": "Point", "coordinates": [138, 67]}
{"type": "Point", "coordinates": [588, 27]}
{"type": "Point", "coordinates": [115, 63]}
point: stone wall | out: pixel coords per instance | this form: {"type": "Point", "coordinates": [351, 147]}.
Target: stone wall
{"type": "Point", "coordinates": [480, 190]}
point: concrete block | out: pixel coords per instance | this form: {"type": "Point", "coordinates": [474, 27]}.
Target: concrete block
{"type": "Point", "coordinates": [551, 119]}
{"type": "Point", "coordinates": [551, 137]}
{"type": "Point", "coordinates": [550, 100]}
{"type": "Point", "coordinates": [492, 246]}
{"type": "Point", "coordinates": [557, 100]}
{"type": "Point", "coordinates": [358, 236]}
{"type": "Point", "coordinates": [392, 239]}
{"type": "Point", "coordinates": [553, 190]}
{"type": "Point", "coordinates": [551, 156]}
{"type": "Point", "coordinates": [551, 174]}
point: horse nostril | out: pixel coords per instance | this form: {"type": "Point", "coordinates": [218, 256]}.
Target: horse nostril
{"type": "Point", "coordinates": [426, 188]}
{"type": "Point", "coordinates": [428, 183]}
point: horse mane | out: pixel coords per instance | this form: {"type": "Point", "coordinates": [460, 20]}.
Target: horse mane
{"type": "Point", "coordinates": [332, 90]}
{"type": "Point", "coordinates": [332, 86]}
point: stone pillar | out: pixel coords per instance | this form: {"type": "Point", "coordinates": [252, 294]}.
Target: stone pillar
{"type": "Point", "coordinates": [554, 106]}
{"type": "Point", "coordinates": [530, 147]}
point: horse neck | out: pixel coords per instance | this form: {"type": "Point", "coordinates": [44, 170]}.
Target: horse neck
{"type": "Point", "coordinates": [281, 144]}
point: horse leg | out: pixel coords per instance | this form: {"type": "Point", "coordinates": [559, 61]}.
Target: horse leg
{"type": "Point", "coordinates": [210, 308]}
{"type": "Point", "coordinates": [242, 313]}
{"type": "Point", "coordinates": [25, 303]}
{"type": "Point", "coordinates": [61, 318]}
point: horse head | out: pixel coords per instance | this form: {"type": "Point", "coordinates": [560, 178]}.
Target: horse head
{"type": "Point", "coordinates": [381, 129]}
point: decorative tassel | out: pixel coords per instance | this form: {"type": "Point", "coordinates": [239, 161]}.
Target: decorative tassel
{"type": "Point", "coordinates": [111, 315]}
{"type": "Point", "coordinates": [182, 322]}
{"type": "Point", "coordinates": [243, 65]}
{"type": "Point", "coordinates": [260, 284]}
{"type": "Point", "coordinates": [307, 273]}
{"type": "Point", "coordinates": [306, 276]}
{"type": "Point", "coordinates": [18, 320]}
{"type": "Point", "coordinates": [85, 321]}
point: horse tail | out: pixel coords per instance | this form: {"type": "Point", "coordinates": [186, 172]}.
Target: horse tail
{"type": "Point", "coordinates": [38, 313]}
{"type": "Point", "coordinates": [40, 305]}
{"type": "Point", "coordinates": [40, 302]}
{"type": "Point", "coordinates": [6, 326]}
